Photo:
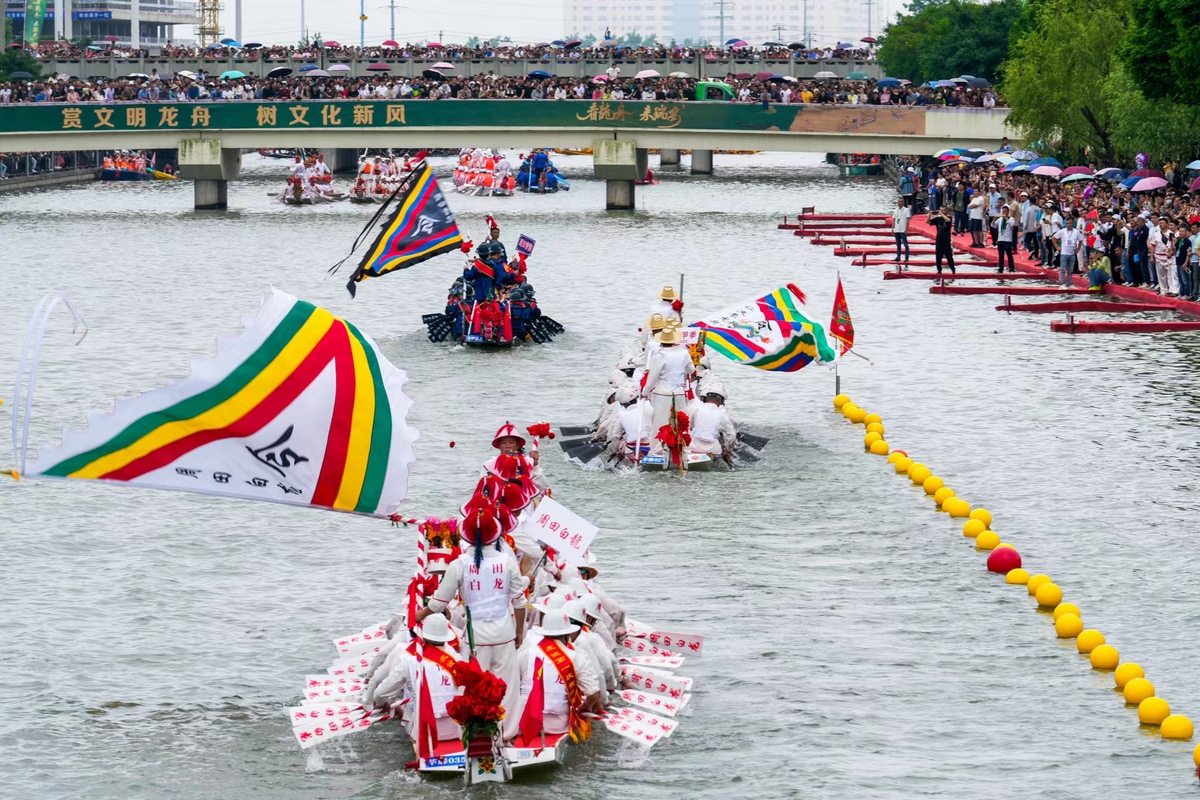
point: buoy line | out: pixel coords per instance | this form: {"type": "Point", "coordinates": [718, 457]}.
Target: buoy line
{"type": "Point", "coordinates": [1003, 559]}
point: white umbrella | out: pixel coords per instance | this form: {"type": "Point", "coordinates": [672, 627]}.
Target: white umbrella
{"type": "Point", "coordinates": [825, 74]}
{"type": "Point", "coordinates": [340, 68]}
{"type": "Point", "coordinates": [679, 75]}
{"type": "Point", "coordinates": [647, 73]}
{"type": "Point", "coordinates": [790, 79]}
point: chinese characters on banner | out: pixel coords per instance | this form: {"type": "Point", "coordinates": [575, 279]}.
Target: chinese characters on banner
{"type": "Point", "coordinates": [688, 643]}
{"type": "Point", "coordinates": [570, 535]}
{"type": "Point", "coordinates": [652, 722]}
{"type": "Point", "coordinates": [525, 245]}
{"type": "Point", "coordinates": [655, 702]}
{"type": "Point", "coordinates": [651, 680]}
{"type": "Point", "coordinates": [642, 647]}
{"type": "Point", "coordinates": [658, 662]}
{"type": "Point", "coordinates": [641, 733]}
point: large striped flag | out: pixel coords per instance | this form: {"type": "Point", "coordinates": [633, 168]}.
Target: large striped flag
{"type": "Point", "coordinates": [420, 228]}
{"type": "Point", "coordinates": [774, 332]}
{"type": "Point", "coordinates": [301, 408]}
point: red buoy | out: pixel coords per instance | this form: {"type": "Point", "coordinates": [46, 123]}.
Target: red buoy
{"type": "Point", "coordinates": [1003, 559]}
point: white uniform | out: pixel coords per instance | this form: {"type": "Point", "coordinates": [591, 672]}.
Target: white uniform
{"type": "Point", "coordinates": [669, 371]}
{"type": "Point", "coordinates": [626, 426]}
{"type": "Point", "coordinates": [403, 680]}
{"type": "Point", "coordinates": [712, 430]}
{"type": "Point", "coordinates": [555, 712]}
{"type": "Point", "coordinates": [491, 592]}
{"type": "Point", "coordinates": [663, 307]}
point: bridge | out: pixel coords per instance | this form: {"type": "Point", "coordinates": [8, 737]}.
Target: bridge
{"type": "Point", "coordinates": [211, 135]}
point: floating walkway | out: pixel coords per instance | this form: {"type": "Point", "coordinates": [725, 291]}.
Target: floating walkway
{"type": "Point", "coordinates": [1023, 290]}
{"type": "Point", "coordinates": [1098, 306]}
{"type": "Point", "coordinates": [925, 275]}
{"type": "Point", "coordinates": [1090, 326]}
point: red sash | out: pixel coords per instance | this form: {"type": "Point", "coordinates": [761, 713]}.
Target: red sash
{"type": "Point", "coordinates": [427, 732]}
{"type": "Point", "coordinates": [580, 728]}
{"type": "Point", "coordinates": [486, 269]}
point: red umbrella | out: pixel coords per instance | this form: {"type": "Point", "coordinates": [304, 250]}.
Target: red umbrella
{"type": "Point", "coordinates": [1076, 171]}
{"type": "Point", "coordinates": [390, 43]}
{"type": "Point", "coordinates": [112, 38]}
{"type": "Point", "coordinates": [868, 39]}
{"type": "Point", "coordinates": [434, 44]}
{"type": "Point", "coordinates": [1147, 173]}
{"type": "Point", "coordinates": [333, 44]}
{"type": "Point", "coordinates": [1195, 185]}
{"type": "Point", "coordinates": [762, 76]}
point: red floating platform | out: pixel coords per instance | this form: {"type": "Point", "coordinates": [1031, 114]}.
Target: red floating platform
{"type": "Point", "coordinates": [883, 251]}
{"type": "Point", "coordinates": [831, 233]}
{"type": "Point", "coordinates": [922, 262]}
{"type": "Point", "coordinates": [867, 217]}
{"type": "Point", "coordinates": [1073, 306]}
{"type": "Point", "coordinates": [1026, 290]}
{"type": "Point", "coordinates": [924, 275]}
{"type": "Point", "coordinates": [1082, 326]}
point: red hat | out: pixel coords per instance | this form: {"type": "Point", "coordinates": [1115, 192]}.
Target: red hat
{"type": "Point", "coordinates": [508, 429]}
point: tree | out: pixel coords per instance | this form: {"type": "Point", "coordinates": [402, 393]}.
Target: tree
{"type": "Point", "coordinates": [1162, 129]}
{"type": "Point", "coordinates": [1055, 78]}
{"type": "Point", "coordinates": [17, 60]}
{"type": "Point", "coordinates": [1161, 49]}
{"type": "Point", "coordinates": [947, 38]}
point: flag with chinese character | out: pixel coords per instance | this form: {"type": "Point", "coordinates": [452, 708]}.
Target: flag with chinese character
{"type": "Point", "coordinates": [35, 13]}
{"type": "Point", "coordinates": [301, 408]}
{"type": "Point", "coordinates": [841, 327]}
{"type": "Point", "coordinates": [420, 228]}
{"type": "Point", "coordinates": [774, 332]}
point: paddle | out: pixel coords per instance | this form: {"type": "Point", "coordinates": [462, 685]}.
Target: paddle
{"type": "Point", "coordinates": [745, 455]}
{"type": "Point", "coordinates": [576, 430]}
{"type": "Point", "coordinates": [586, 452]}
{"type": "Point", "coordinates": [750, 440]}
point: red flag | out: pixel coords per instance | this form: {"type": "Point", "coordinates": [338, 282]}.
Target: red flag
{"type": "Point", "coordinates": [841, 327]}
{"type": "Point", "coordinates": [531, 719]}
{"type": "Point", "coordinates": [427, 732]}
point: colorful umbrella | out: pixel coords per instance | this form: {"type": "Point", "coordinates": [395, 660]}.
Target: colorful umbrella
{"type": "Point", "coordinates": [379, 66]}
{"type": "Point", "coordinates": [1052, 162]}
{"type": "Point", "coordinates": [1076, 171]}
{"type": "Point", "coordinates": [868, 39]}
{"type": "Point", "coordinates": [735, 43]}
{"type": "Point", "coordinates": [1149, 184]}
{"type": "Point", "coordinates": [1016, 166]}
{"type": "Point", "coordinates": [1112, 174]}
{"type": "Point", "coordinates": [1079, 176]}
{"type": "Point", "coordinates": [1024, 155]}
{"type": "Point", "coordinates": [333, 44]}
{"type": "Point", "coordinates": [232, 74]}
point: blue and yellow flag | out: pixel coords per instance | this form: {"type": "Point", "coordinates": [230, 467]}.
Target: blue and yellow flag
{"type": "Point", "coordinates": [420, 228]}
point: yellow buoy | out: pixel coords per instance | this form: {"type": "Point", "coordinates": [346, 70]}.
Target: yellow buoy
{"type": "Point", "coordinates": [872, 418]}
{"type": "Point", "coordinates": [919, 475]}
{"type": "Point", "coordinates": [870, 439]}
{"type": "Point", "coordinates": [1068, 626]}
{"type": "Point", "coordinates": [983, 515]}
{"type": "Point", "coordinates": [1105, 656]}
{"type": "Point", "coordinates": [1127, 672]}
{"type": "Point", "coordinates": [879, 447]}
{"type": "Point", "coordinates": [1196, 754]}
{"type": "Point", "coordinates": [875, 427]}
{"type": "Point", "coordinates": [1066, 608]}
{"type": "Point", "coordinates": [1153, 710]}
{"type": "Point", "coordinates": [987, 540]}
{"type": "Point", "coordinates": [848, 409]}
{"type": "Point", "coordinates": [1017, 576]}
{"type": "Point", "coordinates": [840, 401]}
{"type": "Point", "coordinates": [902, 465]}
{"type": "Point", "coordinates": [1137, 690]}
{"type": "Point", "coordinates": [894, 457]}
{"type": "Point", "coordinates": [1036, 581]}
{"type": "Point", "coordinates": [1177, 726]}
{"type": "Point", "coordinates": [932, 484]}
{"type": "Point", "coordinates": [973, 528]}
{"type": "Point", "coordinates": [958, 508]}
{"type": "Point", "coordinates": [915, 465]}
{"type": "Point", "coordinates": [942, 494]}
{"type": "Point", "coordinates": [1048, 595]}
{"type": "Point", "coordinates": [1089, 640]}
{"type": "Point", "coordinates": [857, 415]}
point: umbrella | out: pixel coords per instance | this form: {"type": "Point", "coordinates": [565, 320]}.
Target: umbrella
{"type": "Point", "coordinates": [228, 41]}
{"type": "Point", "coordinates": [340, 68]}
{"type": "Point", "coordinates": [541, 73]}
{"type": "Point", "coordinates": [1051, 162]}
{"type": "Point", "coordinates": [1195, 185]}
{"type": "Point", "coordinates": [215, 46]}
{"type": "Point", "coordinates": [89, 47]}
{"type": "Point", "coordinates": [858, 76]}
{"type": "Point", "coordinates": [979, 83]}
{"type": "Point", "coordinates": [434, 44]}
{"type": "Point", "coordinates": [790, 79]}
{"type": "Point", "coordinates": [559, 43]}
{"type": "Point", "coordinates": [1146, 173]}
{"type": "Point", "coordinates": [1149, 184]}
{"type": "Point", "coordinates": [252, 45]}
{"type": "Point", "coordinates": [106, 38]}
{"type": "Point", "coordinates": [318, 73]}
{"type": "Point", "coordinates": [774, 44]}
{"type": "Point", "coordinates": [951, 151]}
{"type": "Point", "coordinates": [1112, 174]}
{"type": "Point", "coordinates": [308, 67]}
{"type": "Point", "coordinates": [778, 78]}
{"type": "Point", "coordinates": [1076, 171]}
{"type": "Point", "coordinates": [573, 43]}
{"type": "Point", "coordinates": [966, 77]}
{"type": "Point", "coordinates": [1024, 155]}
{"type": "Point", "coordinates": [679, 75]}
{"type": "Point", "coordinates": [600, 79]}
{"type": "Point", "coordinates": [443, 65]}
{"type": "Point", "coordinates": [1016, 166]}
{"type": "Point", "coordinates": [1079, 176]}
{"type": "Point", "coordinates": [278, 72]}
{"type": "Point", "coordinates": [888, 82]}
{"type": "Point", "coordinates": [390, 43]}
{"type": "Point", "coordinates": [183, 73]}
{"type": "Point", "coordinates": [762, 76]}
{"type": "Point", "coordinates": [796, 46]}
{"type": "Point", "coordinates": [735, 43]}
{"type": "Point", "coordinates": [844, 45]}
{"type": "Point", "coordinates": [144, 75]}
{"type": "Point", "coordinates": [333, 44]}
{"type": "Point", "coordinates": [868, 39]}
{"type": "Point", "coordinates": [647, 73]}
{"type": "Point", "coordinates": [609, 43]}
{"type": "Point", "coordinates": [432, 73]}
{"type": "Point", "coordinates": [825, 75]}
{"type": "Point", "coordinates": [743, 76]}
{"type": "Point", "coordinates": [943, 84]}
{"type": "Point", "coordinates": [1193, 165]}
{"type": "Point", "coordinates": [22, 75]}
{"type": "Point", "coordinates": [1046, 169]}
{"type": "Point", "coordinates": [232, 74]}
{"type": "Point", "coordinates": [379, 66]}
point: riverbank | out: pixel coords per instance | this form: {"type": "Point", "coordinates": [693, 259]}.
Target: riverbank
{"type": "Point", "coordinates": [45, 180]}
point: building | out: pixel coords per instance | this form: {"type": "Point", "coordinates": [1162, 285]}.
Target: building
{"type": "Point", "coordinates": [822, 22]}
{"type": "Point", "coordinates": [100, 20]}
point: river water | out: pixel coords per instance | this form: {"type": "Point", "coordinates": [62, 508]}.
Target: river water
{"type": "Point", "coordinates": [856, 647]}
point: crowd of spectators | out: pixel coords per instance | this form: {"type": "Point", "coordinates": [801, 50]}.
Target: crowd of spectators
{"type": "Point", "coordinates": [452, 52]}
{"type": "Point", "coordinates": [745, 88]}
{"type": "Point", "coordinates": [1097, 227]}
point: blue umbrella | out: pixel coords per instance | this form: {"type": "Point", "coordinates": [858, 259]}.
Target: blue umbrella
{"type": "Point", "coordinates": [1016, 166]}
{"type": "Point", "coordinates": [307, 67]}
{"type": "Point", "coordinates": [944, 84]}
{"type": "Point", "coordinates": [888, 82]}
{"type": "Point", "coordinates": [538, 73]}
{"type": "Point", "coordinates": [1024, 155]}
{"type": "Point", "coordinates": [559, 43]}
{"type": "Point", "coordinates": [1193, 165]}
{"type": "Point", "coordinates": [226, 40]}
{"type": "Point", "coordinates": [1049, 162]}
{"type": "Point", "coordinates": [1129, 182]}
{"type": "Point", "coordinates": [1113, 174]}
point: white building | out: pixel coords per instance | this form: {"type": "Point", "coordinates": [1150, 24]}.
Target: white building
{"type": "Point", "coordinates": [99, 19]}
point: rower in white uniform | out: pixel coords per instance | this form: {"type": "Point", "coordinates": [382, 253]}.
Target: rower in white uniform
{"type": "Point", "coordinates": [713, 432]}
{"type": "Point", "coordinates": [668, 374]}
{"type": "Point", "coordinates": [429, 660]}
{"type": "Point", "coordinates": [668, 304]}
{"type": "Point", "coordinates": [569, 685]}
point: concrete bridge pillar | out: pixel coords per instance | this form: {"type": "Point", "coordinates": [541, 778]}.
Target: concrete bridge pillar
{"type": "Point", "coordinates": [211, 167]}
{"type": "Point", "coordinates": [340, 159]}
{"type": "Point", "coordinates": [616, 161]}
{"type": "Point", "coordinates": [668, 156]}
{"type": "Point", "coordinates": [701, 162]}
{"type": "Point", "coordinates": [643, 161]}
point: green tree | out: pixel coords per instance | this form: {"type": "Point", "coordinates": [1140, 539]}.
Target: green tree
{"type": "Point", "coordinates": [1056, 76]}
{"type": "Point", "coordinates": [1162, 48]}
{"type": "Point", "coordinates": [16, 60]}
{"type": "Point", "coordinates": [948, 38]}
{"type": "Point", "coordinates": [1162, 129]}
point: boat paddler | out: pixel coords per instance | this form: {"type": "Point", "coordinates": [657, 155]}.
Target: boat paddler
{"type": "Point", "coordinates": [712, 430]}
{"type": "Point", "coordinates": [669, 370]}
{"type": "Point", "coordinates": [569, 685]}
{"type": "Point", "coordinates": [429, 659]}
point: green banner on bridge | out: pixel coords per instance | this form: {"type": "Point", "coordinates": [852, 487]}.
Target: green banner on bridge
{"type": "Point", "coordinates": [35, 12]}
{"type": "Point", "coordinates": [479, 114]}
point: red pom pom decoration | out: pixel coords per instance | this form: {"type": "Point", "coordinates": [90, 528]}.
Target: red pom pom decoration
{"type": "Point", "coordinates": [452, 444]}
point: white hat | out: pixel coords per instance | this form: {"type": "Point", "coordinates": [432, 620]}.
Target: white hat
{"type": "Point", "coordinates": [576, 611]}
{"type": "Point", "coordinates": [436, 628]}
{"type": "Point", "coordinates": [556, 623]}
{"type": "Point", "coordinates": [551, 602]}
{"type": "Point", "coordinates": [626, 394]}
{"type": "Point", "coordinates": [591, 604]}
{"type": "Point", "coordinates": [578, 587]}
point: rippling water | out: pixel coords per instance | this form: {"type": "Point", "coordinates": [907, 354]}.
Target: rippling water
{"type": "Point", "coordinates": [856, 646]}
